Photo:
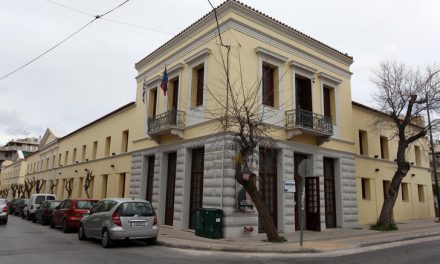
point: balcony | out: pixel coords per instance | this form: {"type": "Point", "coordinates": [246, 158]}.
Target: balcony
{"type": "Point", "coordinates": [171, 122]}
{"type": "Point", "coordinates": [302, 121]}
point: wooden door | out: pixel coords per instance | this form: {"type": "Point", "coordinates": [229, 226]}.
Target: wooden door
{"type": "Point", "coordinates": [268, 183]}
{"type": "Point", "coordinates": [303, 88]}
{"type": "Point", "coordinates": [171, 183]}
{"type": "Point", "coordinates": [196, 198]}
{"type": "Point", "coordinates": [150, 179]}
{"type": "Point", "coordinates": [329, 193]}
{"type": "Point", "coordinates": [313, 219]}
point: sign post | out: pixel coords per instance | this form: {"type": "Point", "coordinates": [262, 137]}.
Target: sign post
{"type": "Point", "coordinates": [304, 170]}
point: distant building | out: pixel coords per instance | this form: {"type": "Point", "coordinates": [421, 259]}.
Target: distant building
{"type": "Point", "coordinates": [18, 149]}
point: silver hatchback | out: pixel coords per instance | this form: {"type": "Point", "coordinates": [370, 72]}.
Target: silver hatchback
{"type": "Point", "coordinates": [4, 211]}
{"type": "Point", "coordinates": [120, 219]}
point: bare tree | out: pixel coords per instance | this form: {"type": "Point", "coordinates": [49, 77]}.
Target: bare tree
{"type": "Point", "coordinates": [52, 185]}
{"type": "Point", "coordinates": [29, 185]}
{"type": "Point", "coordinates": [4, 192]}
{"type": "Point", "coordinates": [68, 186]}
{"type": "Point", "coordinates": [404, 95]}
{"type": "Point", "coordinates": [39, 183]}
{"type": "Point", "coordinates": [21, 190]}
{"type": "Point", "coordinates": [14, 190]}
{"type": "Point", "coordinates": [88, 182]}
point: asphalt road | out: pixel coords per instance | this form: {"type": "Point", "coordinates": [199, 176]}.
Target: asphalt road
{"type": "Point", "coordinates": [24, 242]}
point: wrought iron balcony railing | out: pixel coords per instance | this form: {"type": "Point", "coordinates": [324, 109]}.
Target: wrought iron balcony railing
{"type": "Point", "coordinates": [307, 120]}
{"type": "Point", "coordinates": [165, 121]}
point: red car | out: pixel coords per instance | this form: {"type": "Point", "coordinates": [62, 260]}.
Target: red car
{"type": "Point", "coordinates": [70, 212]}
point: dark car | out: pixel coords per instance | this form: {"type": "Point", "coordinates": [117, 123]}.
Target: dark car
{"type": "Point", "coordinates": [44, 213]}
{"type": "Point", "coordinates": [70, 212]}
{"type": "Point", "coordinates": [13, 205]}
{"type": "Point", "coordinates": [20, 207]}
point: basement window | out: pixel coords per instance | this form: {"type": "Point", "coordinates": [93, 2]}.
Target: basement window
{"type": "Point", "coordinates": [366, 189]}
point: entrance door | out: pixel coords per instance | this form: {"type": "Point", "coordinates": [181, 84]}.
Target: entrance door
{"type": "Point", "coordinates": [329, 193]}
{"type": "Point", "coordinates": [196, 198]}
{"type": "Point", "coordinates": [171, 183]}
{"type": "Point", "coordinates": [312, 204]}
{"type": "Point", "coordinates": [268, 183]}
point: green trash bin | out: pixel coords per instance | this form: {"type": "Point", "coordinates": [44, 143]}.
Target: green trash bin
{"type": "Point", "coordinates": [209, 223]}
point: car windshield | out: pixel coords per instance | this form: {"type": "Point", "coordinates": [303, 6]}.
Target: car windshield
{"type": "Point", "coordinates": [39, 199]}
{"type": "Point", "coordinates": [2, 202]}
{"type": "Point", "coordinates": [50, 198]}
{"type": "Point", "coordinates": [136, 208]}
{"type": "Point", "coordinates": [85, 204]}
{"type": "Point", "coordinates": [54, 204]}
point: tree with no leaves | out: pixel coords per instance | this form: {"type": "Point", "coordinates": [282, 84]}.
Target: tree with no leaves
{"type": "Point", "coordinates": [68, 186]}
{"type": "Point", "coordinates": [88, 182]}
{"type": "Point", "coordinates": [52, 185]}
{"type": "Point", "coordinates": [39, 183]}
{"type": "Point", "coordinates": [404, 95]}
{"type": "Point", "coordinates": [29, 185]}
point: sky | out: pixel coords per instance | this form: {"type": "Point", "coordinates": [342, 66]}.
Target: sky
{"type": "Point", "coordinates": [93, 73]}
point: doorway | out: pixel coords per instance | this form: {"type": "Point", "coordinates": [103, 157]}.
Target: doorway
{"type": "Point", "coordinates": [268, 183]}
{"type": "Point", "coordinates": [171, 183]}
{"type": "Point", "coordinates": [329, 193]}
{"type": "Point", "coordinates": [196, 198]}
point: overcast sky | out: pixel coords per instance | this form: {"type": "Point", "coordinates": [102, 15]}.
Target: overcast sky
{"type": "Point", "coordinates": [93, 73]}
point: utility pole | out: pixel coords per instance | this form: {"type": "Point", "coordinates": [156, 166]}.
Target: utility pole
{"type": "Point", "coordinates": [433, 156]}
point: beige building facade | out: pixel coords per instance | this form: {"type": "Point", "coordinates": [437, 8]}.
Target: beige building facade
{"type": "Point", "coordinates": [169, 150]}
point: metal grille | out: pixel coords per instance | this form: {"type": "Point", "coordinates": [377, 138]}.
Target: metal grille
{"type": "Point", "coordinates": [306, 119]}
{"type": "Point", "coordinates": [167, 120]}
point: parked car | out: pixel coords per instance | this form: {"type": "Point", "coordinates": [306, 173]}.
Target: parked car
{"type": "Point", "coordinates": [44, 213]}
{"type": "Point", "coordinates": [69, 213]}
{"type": "Point", "coordinates": [13, 205]}
{"type": "Point", "coordinates": [118, 219]}
{"type": "Point", "coordinates": [4, 211]}
{"type": "Point", "coordinates": [34, 203]}
{"type": "Point", "coordinates": [21, 206]}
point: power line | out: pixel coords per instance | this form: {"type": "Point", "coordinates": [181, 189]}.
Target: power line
{"type": "Point", "coordinates": [108, 19]}
{"type": "Point", "coordinates": [64, 40]}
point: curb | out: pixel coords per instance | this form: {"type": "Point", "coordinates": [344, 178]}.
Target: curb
{"type": "Point", "coordinates": [230, 249]}
{"type": "Point", "coordinates": [386, 241]}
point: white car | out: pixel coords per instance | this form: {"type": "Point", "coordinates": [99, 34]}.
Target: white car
{"type": "Point", "coordinates": [4, 211]}
{"type": "Point", "coordinates": [35, 202]}
{"type": "Point", "coordinates": [120, 219]}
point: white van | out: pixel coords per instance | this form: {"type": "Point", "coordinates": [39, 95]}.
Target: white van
{"type": "Point", "coordinates": [34, 203]}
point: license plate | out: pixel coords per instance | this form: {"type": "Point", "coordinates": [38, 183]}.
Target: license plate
{"type": "Point", "coordinates": [137, 223]}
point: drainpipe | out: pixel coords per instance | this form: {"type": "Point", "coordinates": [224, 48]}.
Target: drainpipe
{"type": "Point", "coordinates": [223, 175]}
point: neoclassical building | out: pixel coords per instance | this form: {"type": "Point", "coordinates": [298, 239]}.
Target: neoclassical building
{"type": "Point", "coordinates": [168, 148]}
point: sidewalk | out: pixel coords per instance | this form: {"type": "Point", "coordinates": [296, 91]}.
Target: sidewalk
{"type": "Point", "coordinates": [327, 240]}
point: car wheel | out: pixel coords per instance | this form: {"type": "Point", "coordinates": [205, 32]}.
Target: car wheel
{"type": "Point", "coordinates": [65, 227]}
{"type": "Point", "coordinates": [151, 241]}
{"type": "Point", "coordinates": [106, 241]}
{"type": "Point", "coordinates": [34, 219]}
{"type": "Point", "coordinates": [22, 215]}
{"type": "Point", "coordinates": [52, 224]}
{"type": "Point", "coordinates": [81, 233]}
{"type": "Point", "coordinates": [5, 222]}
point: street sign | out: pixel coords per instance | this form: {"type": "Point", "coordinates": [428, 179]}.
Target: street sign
{"type": "Point", "coordinates": [289, 186]}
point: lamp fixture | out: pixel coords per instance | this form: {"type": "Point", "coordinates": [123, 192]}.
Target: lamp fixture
{"type": "Point", "coordinates": [376, 170]}
{"type": "Point", "coordinates": [76, 170]}
{"type": "Point", "coordinates": [113, 166]}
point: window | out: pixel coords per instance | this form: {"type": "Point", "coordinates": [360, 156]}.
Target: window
{"type": "Point", "coordinates": [303, 93]}
{"type": "Point", "coordinates": [329, 103]}
{"type": "Point", "coordinates": [59, 159]}
{"type": "Point", "coordinates": [363, 146]}
{"type": "Point", "coordinates": [66, 157]}
{"type": "Point", "coordinates": [384, 154]}
{"type": "Point", "coordinates": [270, 85]}
{"type": "Point", "coordinates": [421, 192]}
{"type": "Point", "coordinates": [53, 161]}
{"type": "Point", "coordinates": [107, 146]}
{"type": "Point", "coordinates": [83, 155]}
{"type": "Point", "coordinates": [173, 94]}
{"type": "Point", "coordinates": [386, 187]}
{"type": "Point", "coordinates": [417, 155]}
{"type": "Point", "coordinates": [104, 186]}
{"type": "Point", "coordinates": [124, 145]}
{"type": "Point", "coordinates": [152, 104]}
{"type": "Point", "coordinates": [366, 191]}
{"type": "Point", "coordinates": [150, 179]}
{"type": "Point", "coordinates": [121, 192]}
{"type": "Point", "coordinates": [405, 194]}
{"type": "Point", "coordinates": [95, 147]}
{"type": "Point", "coordinates": [74, 156]}
{"type": "Point", "coordinates": [197, 85]}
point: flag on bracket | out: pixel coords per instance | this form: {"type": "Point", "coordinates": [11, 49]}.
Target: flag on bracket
{"type": "Point", "coordinates": [164, 83]}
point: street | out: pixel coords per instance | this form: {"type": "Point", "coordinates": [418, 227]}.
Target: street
{"type": "Point", "coordinates": [22, 241]}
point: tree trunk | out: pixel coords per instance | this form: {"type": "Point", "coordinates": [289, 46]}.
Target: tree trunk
{"type": "Point", "coordinates": [385, 219]}
{"type": "Point", "coordinates": [251, 188]}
